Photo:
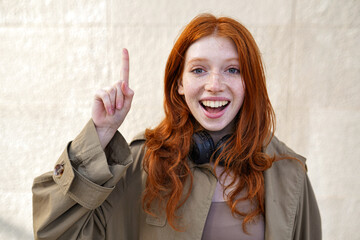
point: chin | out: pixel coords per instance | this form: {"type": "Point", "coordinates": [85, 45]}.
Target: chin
{"type": "Point", "coordinates": [213, 128]}
{"type": "Point", "coordinates": [224, 125]}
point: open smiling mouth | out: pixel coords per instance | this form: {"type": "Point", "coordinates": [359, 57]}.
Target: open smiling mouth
{"type": "Point", "coordinates": [214, 106]}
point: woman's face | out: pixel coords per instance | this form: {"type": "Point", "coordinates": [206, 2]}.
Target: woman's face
{"type": "Point", "coordinates": [211, 82]}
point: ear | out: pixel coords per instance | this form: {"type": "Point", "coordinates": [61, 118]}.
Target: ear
{"type": "Point", "coordinates": [180, 87]}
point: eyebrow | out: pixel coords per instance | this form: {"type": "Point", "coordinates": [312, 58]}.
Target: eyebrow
{"type": "Point", "coordinates": [197, 59]}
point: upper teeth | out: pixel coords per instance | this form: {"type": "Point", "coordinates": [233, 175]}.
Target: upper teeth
{"type": "Point", "coordinates": [214, 104]}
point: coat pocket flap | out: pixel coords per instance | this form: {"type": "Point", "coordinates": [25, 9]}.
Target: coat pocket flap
{"type": "Point", "coordinates": [158, 221]}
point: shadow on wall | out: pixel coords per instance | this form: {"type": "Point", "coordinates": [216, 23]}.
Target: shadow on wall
{"type": "Point", "coordinates": [10, 231]}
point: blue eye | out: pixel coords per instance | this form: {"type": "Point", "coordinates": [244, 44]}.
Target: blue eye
{"type": "Point", "coordinates": [233, 70]}
{"type": "Point", "coordinates": [198, 71]}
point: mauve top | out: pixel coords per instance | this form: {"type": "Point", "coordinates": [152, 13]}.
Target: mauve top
{"type": "Point", "coordinates": [220, 223]}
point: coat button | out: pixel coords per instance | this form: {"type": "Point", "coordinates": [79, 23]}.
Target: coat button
{"type": "Point", "coordinates": [59, 170]}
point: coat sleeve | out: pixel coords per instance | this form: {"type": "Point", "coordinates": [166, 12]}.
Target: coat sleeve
{"type": "Point", "coordinates": [71, 202]}
{"type": "Point", "coordinates": [307, 221]}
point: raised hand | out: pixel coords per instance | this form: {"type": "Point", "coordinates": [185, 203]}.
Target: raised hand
{"type": "Point", "coordinates": [111, 105]}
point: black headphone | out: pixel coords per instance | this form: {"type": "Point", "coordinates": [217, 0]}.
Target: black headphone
{"type": "Point", "coordinates": [203, 147]}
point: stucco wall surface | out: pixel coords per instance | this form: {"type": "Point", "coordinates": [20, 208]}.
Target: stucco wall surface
{"type": "Point", "coordinates": [55, 54]}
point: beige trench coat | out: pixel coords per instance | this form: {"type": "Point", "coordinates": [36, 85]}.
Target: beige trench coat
{"type": "Point", "coordinates": [98, 196]}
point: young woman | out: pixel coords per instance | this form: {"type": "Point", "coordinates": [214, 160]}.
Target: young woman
{"type": "Point", "coordinates": [212, 169]}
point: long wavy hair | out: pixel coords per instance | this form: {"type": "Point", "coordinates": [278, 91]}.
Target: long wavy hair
{"type": "Point", "coordinates": [169, 177]}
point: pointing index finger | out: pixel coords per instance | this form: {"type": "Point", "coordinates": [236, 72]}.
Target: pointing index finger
{"type": "Point", "coordinates": [124, 74]}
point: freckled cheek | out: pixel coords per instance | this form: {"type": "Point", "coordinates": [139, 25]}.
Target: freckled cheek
{"type": "Point", "coordinates": [193, 89]}
{"type": "Point", "coordinates": [192, 96]}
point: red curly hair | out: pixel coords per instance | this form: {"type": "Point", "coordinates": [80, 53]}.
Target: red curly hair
{"type": "Point", "coordinates": [168, 144]}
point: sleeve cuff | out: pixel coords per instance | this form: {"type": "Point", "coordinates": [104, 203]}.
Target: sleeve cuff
{"type": "Point", "coordinates": [85, 172]}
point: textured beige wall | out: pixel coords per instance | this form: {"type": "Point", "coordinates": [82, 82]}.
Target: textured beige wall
{"type": "Point", "coordinates": [55, 54]}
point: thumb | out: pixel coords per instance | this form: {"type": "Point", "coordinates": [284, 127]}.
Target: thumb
{"type": "Point", "coordinates": [126, 90]}
{"type": "Point", "coordinates": [128, 94]}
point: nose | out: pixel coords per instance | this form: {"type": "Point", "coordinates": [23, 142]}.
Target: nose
{"type": "Point", "coordinates": [214, 83]}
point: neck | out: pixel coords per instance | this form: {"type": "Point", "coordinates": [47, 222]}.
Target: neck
{"type": "Point", "coordinates": [217, 135]}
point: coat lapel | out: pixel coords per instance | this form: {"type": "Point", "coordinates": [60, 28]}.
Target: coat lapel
{"type": "Point", "coordinates": [283, 186]}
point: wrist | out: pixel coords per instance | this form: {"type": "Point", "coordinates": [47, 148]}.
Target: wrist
{"type": "Point", "coordinates": [105, 134]}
